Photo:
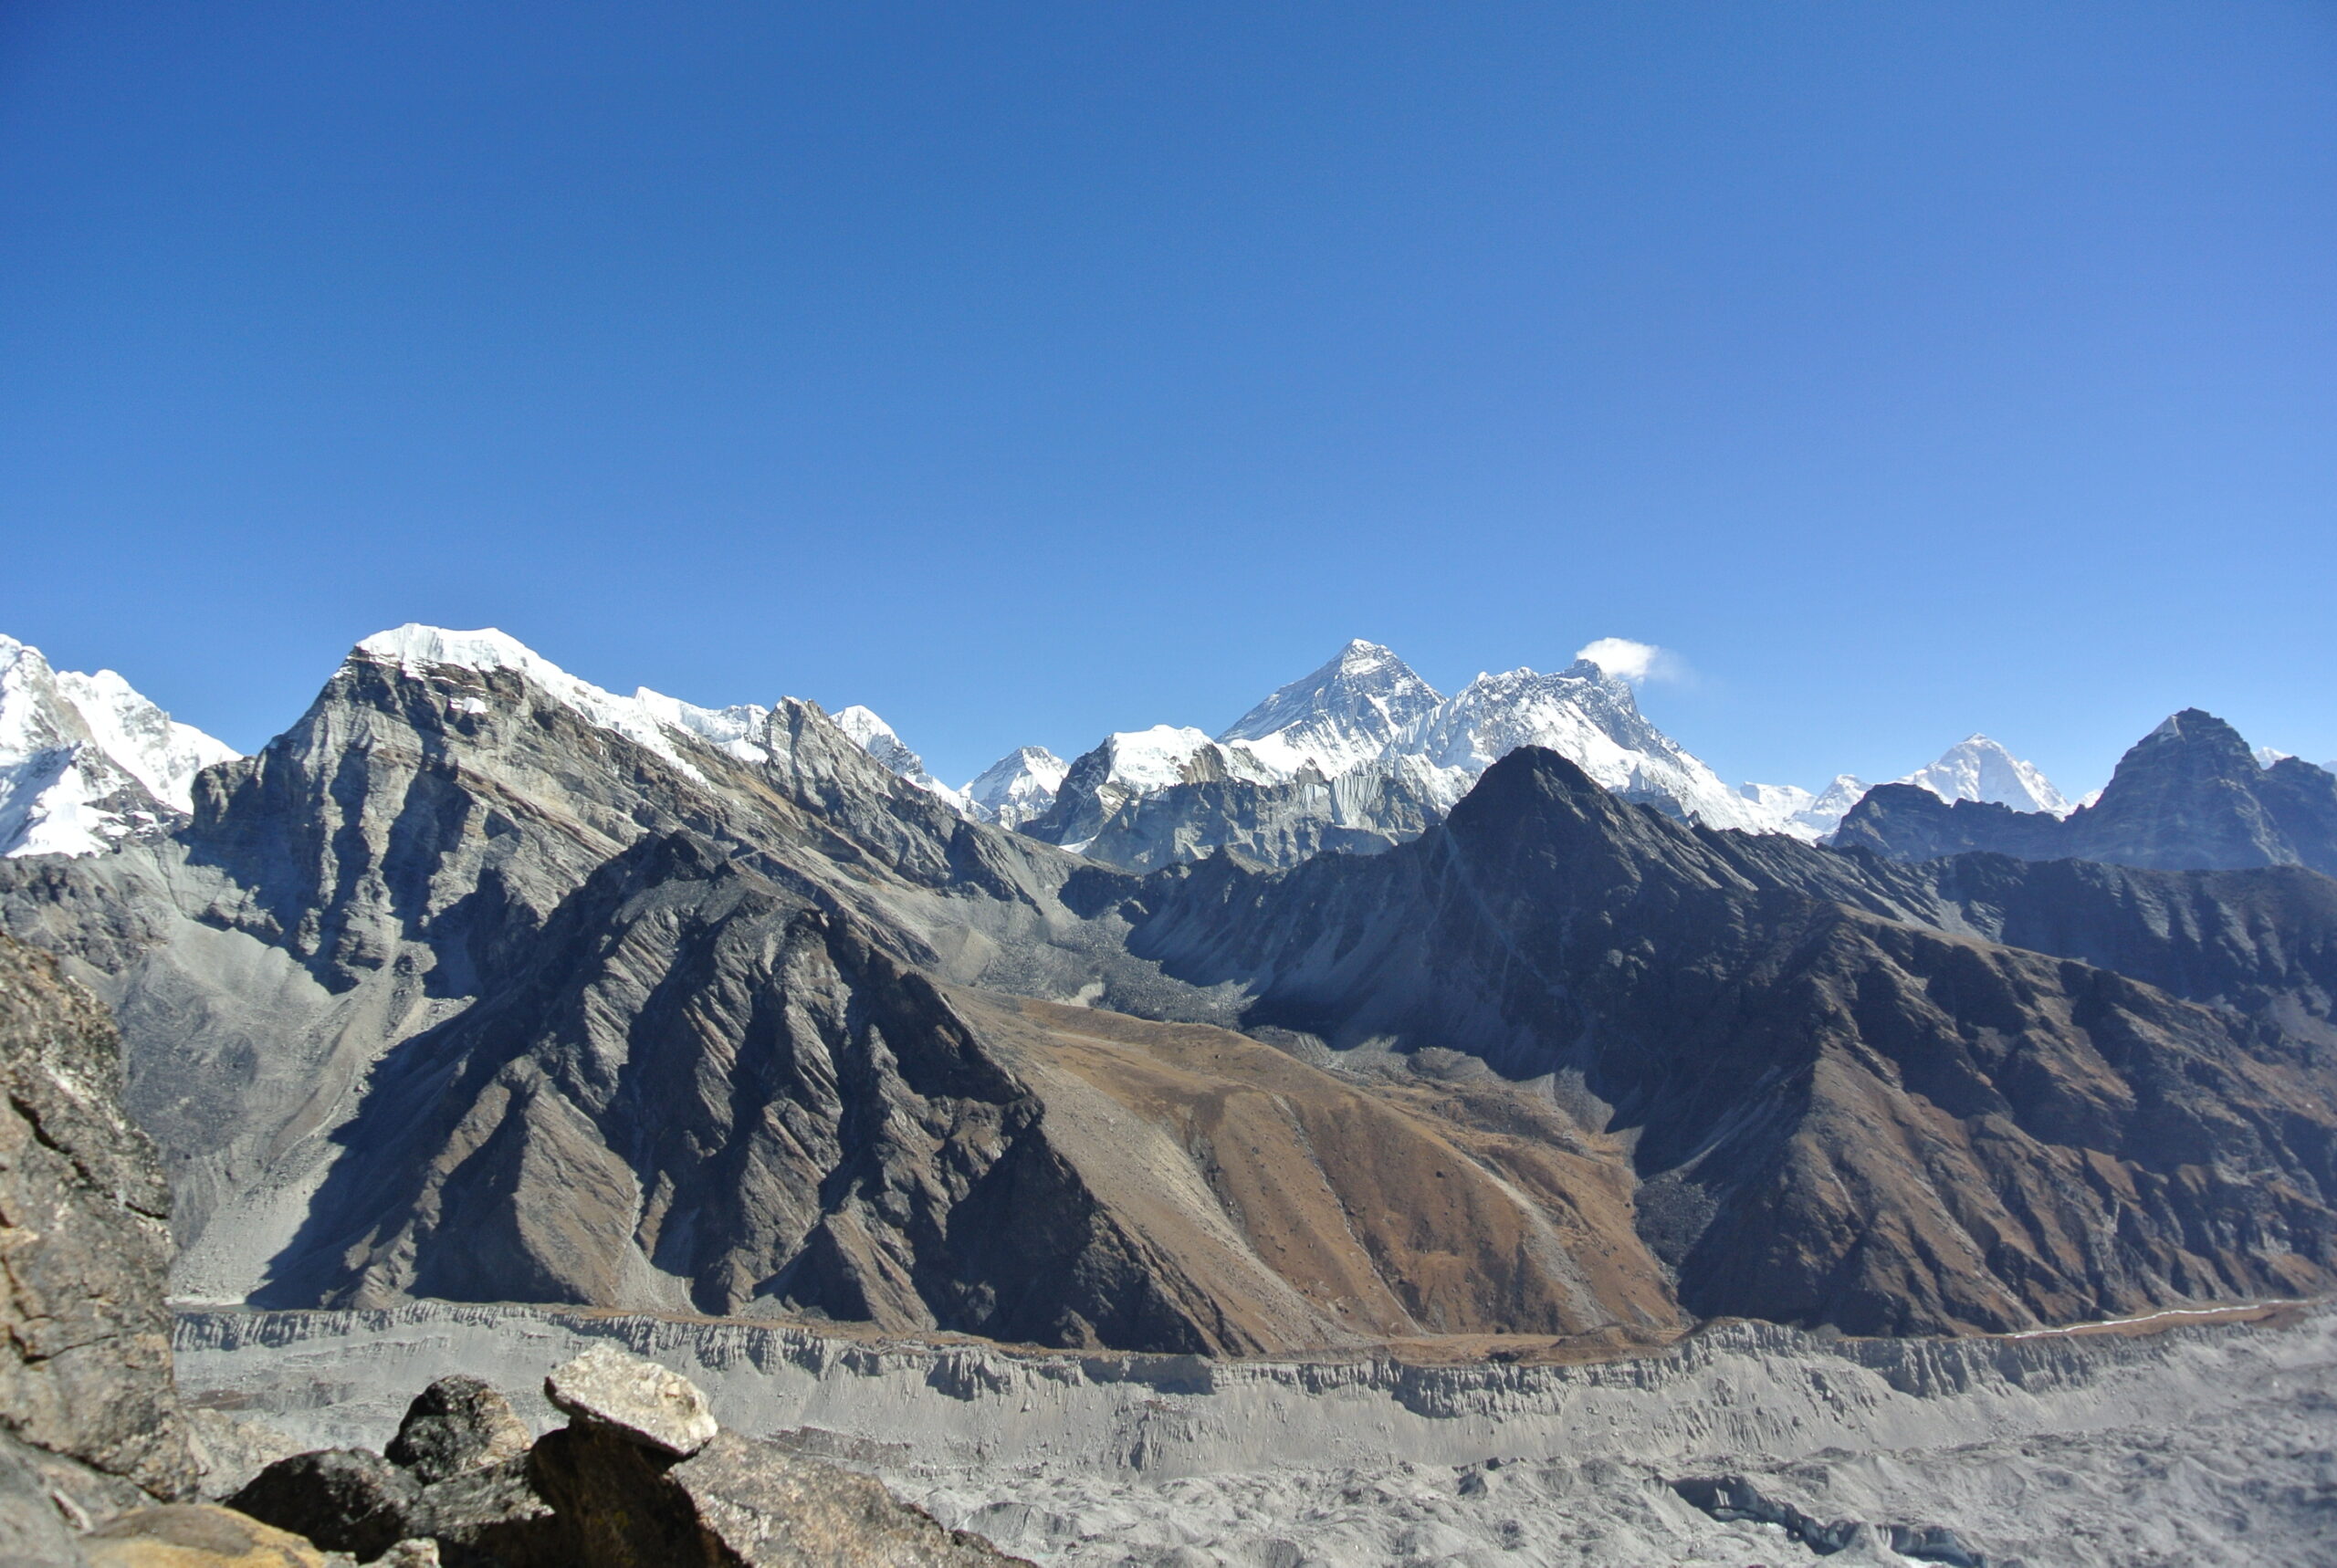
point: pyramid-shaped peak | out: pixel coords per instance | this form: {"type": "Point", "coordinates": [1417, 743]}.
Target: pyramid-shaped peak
{"type": "Point", "coordinates": [1338, 715]}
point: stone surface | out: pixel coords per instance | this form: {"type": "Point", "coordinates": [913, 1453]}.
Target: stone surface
{"type": "Point", "coordinates": [418, 1553]}
{"type": "Point", "coordinates": [764, 1507]}
{"type": "Point", "coordinates": [343, 1500]}
{"type": "Point", "coordinates": [196, 1535]}
{"type": "Point", "coordinates": [85, 1369]}
{"type": "Point", "coordinates": [33, 1532]}
{"type": "Point", "coordinates": [635, 1398]}
{"type": "Point", "coordinates": [2076, 1449]}
{"type": "Point", "coordinates": [733, 1504]}
{"type": "Point", "coordinates": [457, 1424]}
{"type": "Point", "coordinates": [492, 1514]}
{"type": "Point", "coordinates": [234, 1448]}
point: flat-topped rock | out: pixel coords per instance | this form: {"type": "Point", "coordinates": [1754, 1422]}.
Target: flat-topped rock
{"type": "Point", "coordinates": [635, 1398]}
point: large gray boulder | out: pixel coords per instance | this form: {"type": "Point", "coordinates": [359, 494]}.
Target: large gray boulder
{"type": "Point", "coordinates": [637, 1400]}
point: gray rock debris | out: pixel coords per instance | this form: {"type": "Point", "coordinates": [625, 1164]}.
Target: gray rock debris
{"type": "Point", "coordinates": [457, 1424]}
{"type": "Point", "coordinates": [637, 1399]}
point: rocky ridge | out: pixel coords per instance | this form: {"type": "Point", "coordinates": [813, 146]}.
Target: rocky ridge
{"type": "Point", "coordinates": [89, 1417]}
{"type": "Point", "coordinates": [1848, 1106]}
{"type": "Point", "coordinates": [2190, 796]}
{"type": "Point", "coordinates": [98, 1469]}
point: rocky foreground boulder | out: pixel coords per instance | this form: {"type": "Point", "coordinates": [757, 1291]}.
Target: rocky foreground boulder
{"type": "Point", "coordinates": [641, 1476]}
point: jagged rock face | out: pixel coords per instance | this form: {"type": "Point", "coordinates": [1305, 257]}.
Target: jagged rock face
{"type": "Point", "coordinates": [85, 1362]}
{"type": "Point", "coordinates": [401, 852]}
{"type": "Point", "coordinates": [1845, 1112]}
{"type": "Point", "coordinates": [2189, 796]}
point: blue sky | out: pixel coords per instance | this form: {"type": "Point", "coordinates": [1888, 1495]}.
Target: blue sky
{"type": "Point", "coordinates": [1027, 372]}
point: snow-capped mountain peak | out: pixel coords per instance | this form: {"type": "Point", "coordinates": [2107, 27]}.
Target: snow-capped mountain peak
{"type": "Point", "coordinates": [1588, 715]}
{"type": "Point", "coordinates": [1339, 716]}
{"type": "Point", "coordinates": [85, 761]}
{"type": "Point", "coordinates": [1977, 768]}
{"type": "Point", "coordinates": [876, 738]}
{"type": "Point", "coordinates": [1018, 787]}
{"type": "Point", "coordinates": [643, 718]}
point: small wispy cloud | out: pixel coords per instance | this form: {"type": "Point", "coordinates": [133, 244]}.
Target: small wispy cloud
{"type": "Point", "coordinates": [1633, 662]}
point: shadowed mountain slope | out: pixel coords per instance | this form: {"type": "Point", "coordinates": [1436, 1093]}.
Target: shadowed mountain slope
{"type": "Point", "coordinates": [708, 1092]}
{"type": "Point", "coordinates": [1848, 1107]}
{"type": "Point", "coordinates": [2189, 796]}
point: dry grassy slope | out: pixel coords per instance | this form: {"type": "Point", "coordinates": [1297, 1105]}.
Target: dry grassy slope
{"type": "Point", "coordinates": [1317, 1208]}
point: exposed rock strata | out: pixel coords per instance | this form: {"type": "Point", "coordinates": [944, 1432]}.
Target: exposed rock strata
{"type": "Point", "coordinates": [2088, 1450]}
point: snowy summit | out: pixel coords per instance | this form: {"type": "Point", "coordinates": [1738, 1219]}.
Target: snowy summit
{"type": "Point", "coordinates": [86, 762]}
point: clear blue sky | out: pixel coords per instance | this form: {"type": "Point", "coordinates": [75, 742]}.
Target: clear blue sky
{"type": "Point", "coordinates": [1030, 370]}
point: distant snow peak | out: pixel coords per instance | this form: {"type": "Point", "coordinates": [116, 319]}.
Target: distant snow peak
{"type": "Point", "coordinates": [1587, 715]}
{"type": "Point", "coordinates": [1142, 760]}
{"type": "Point", "coordinates": [1977, 768]}
{"type": "Point", "coordinates": [415, 649]}
{"type": "Point", "coordinates": [1018, 787]}
{"type": "Point", "coordinates": [1348, 713]}
{"type": "Point", "coordinates": [85, 761]}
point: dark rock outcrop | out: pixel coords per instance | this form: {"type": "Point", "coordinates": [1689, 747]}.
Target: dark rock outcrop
{"type": "Point", "coordinates": [1732, 1498]}
{"type": "Point", "coordinates": [343, 1500]}
{"type": "Point", "coordinates": [86, 1406]}
{"type": "Point", "coordinates": [456, 1424]}
{"type": "Point", "coordinates": [2190, 796]}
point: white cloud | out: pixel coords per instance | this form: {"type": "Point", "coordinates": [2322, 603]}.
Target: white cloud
{"type": "Point", "coordinates": [1633, 662]}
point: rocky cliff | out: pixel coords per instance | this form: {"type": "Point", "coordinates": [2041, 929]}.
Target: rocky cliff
{"type": "Point", "coordinates": [89, 1421]}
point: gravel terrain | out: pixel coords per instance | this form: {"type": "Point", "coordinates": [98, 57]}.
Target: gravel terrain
{"type": "Point", "coordinates": [2208, 1444]}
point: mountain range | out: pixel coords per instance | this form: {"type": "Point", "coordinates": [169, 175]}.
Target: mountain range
{"type": "Point", "coordinates": [1363, 753]}
{"type": "Point", "coordinates": [481, 982]}
{"type": "Point", "coordinates": [1359, 755]}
